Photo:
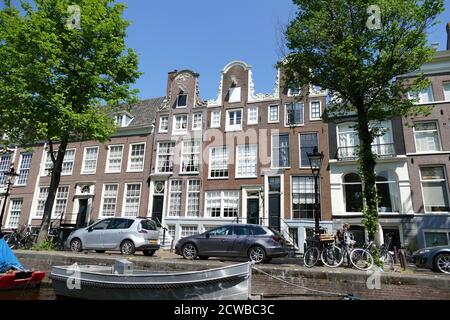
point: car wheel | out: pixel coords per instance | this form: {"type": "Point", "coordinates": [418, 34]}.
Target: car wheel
{"type": "Point", "coordinates": [148, 253]}
{"type": "Point", "coordinates": [257, 254]}
{"type": "Point", "coordinates": [100, 251]}
{"type": "Point", "coordinates": [189, 251]}
{"type": "Point", "coordinates": [442, 263]}
{"type": "Point", "coordinates": [75, 245]}
{"type": "Point", "coordinates": [203, 257]}
{"type": "Point", "coordinates": [127, 247]}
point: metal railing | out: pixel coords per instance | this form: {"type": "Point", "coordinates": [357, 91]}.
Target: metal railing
{"type": "Point", "coordinates": [163, 227]}
{"type": "Point", "coordinates": [385, 150]}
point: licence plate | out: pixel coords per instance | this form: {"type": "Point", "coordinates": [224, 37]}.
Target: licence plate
{"type": "Point", "coordinates": [153, 241]}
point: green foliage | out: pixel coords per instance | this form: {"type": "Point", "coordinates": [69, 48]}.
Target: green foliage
{"type": "Point", "coordinates": [46, 245]}
{"type": "Point", "coordinates": [331, 46]}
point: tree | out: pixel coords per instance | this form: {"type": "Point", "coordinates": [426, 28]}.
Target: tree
{"type": "Point", "coordinates": [357, 49]}
{"type": "Point", "coordinates": [64, 69]}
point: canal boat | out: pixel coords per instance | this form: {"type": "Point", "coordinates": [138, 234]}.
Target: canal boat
{"type": "Point", "coordinates": [122, 282]}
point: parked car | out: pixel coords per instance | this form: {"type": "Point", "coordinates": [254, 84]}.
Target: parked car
{"type": "Point", "coordinates": [125, 234]}
{"type": "Point", "coordinates": [255, 242]}
{"type": "Point", "coordinates": [435, 258]}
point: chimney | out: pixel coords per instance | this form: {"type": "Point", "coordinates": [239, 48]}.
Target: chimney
{"type": "Point", "coordinates": [448, 36]}
{"type": "Point", "coordinates": [170, 77]}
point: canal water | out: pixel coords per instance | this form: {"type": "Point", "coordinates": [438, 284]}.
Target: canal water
{"type": "Point", "coordinates": [43, 293]}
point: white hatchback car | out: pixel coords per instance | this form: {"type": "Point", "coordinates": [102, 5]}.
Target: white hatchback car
{"type": "Point", "coordinates": [125, 234]}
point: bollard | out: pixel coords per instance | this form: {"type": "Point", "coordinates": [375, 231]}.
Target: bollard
{"type": "Point", "coordinates": [395, 254]}
{"type": "Point", "coordinates": [171, 246]}
{"type": "Point", "coordinates": [402, 259]}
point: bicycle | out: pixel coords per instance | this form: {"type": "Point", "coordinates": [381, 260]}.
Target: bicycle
{"type": "Point", "coordinates": [359, 258]}
{"type": "Point", "coordinates": [386, 257]}
{"type": "Point", "coordinates": [56, 237]}
{"type": "Point", "coordinates": [330, 254]}
{"type": "Point", "coordinates": [23, 239]}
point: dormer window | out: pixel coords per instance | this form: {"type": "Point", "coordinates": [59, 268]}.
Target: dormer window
{"type": "Point", "coordinates": [123, 120]}
{"type": "Point", "coordinates": [234, 94]}
{"type": "Point", "coordinates": [293, 91]}
{"type": "Point", "coordinates": [182, 100]}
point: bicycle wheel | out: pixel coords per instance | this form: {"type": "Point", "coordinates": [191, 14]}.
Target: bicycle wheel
{"type": "Point", "coordinates": [332, 256]}
{"type": "Point", "coordinates": [311, 257]}
{"type": "Point", "coordinates": [388, 261]}
{"type": "Point", "coordinates": [361, 259]}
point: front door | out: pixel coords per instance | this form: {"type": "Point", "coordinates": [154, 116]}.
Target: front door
{"type": "Point", "coordinates": [82, 212]}
{"type": "Point", "coordinates": [253, 211]}
{"type": "Point", "coordinates": [274, 211]}
{"type": "Point", "coordinates": [157, 210]}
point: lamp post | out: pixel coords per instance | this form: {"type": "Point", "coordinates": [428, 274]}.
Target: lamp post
{"type": "Point", "coordinates": [315, 161]}
{"type": "Point", "coordinates": [11, 176]}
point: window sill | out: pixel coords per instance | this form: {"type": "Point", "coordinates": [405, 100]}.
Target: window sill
{"type": "Point", "coordinates": [88, 173]}
{"type": "Point", "coordinates": [247, 177]}
{"type": "Point", "coordinates": [294, 125]}
{"type": "Point", "coordinates": [134, 171]}
{"type": "Point", "coordinates": [189, 173]}
{"type": "Point", "coordinates": [179, 133]}
{"type": "Point", "coordinates": [278, 121]}
{"type": "Point", "coordinates": [108, 172]}
{"type": "Point", "coordinates": [163, 131]}
{"type": "Point", "coordinates": [316, 119]}
{"type": "Point", "coordinates": [428, 153]}
{"type": "Point", "coordinates": [233, 130]}
{"type": "Point", "coordinates": [221, 178]}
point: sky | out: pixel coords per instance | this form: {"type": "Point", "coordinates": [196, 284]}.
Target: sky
{"type": "Point", "coordinates": [205, 35]}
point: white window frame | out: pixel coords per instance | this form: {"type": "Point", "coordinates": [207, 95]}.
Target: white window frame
{"type": "Point", "coordinates": [222, 204]}
{"type": "Point", "coordinates": [108, 158]}
{"type": "Point", "coordinates": [198, 154]}
{"type": "Point", "coordinates": [290, 94]}
{"type": "Point", "coordinates": [286, 115]}
{"type": "Point", "coordinates": [36, 204]}
{"type": "Point", "coordinates": [48, 160]}
{"type": "Point", "coordinates": [123, 120]}
{"type": "Point", "coordinates": [180, 192]}
{"type": "Point", "coordinates": [176, 131]}
{"type": "Point", "coordinates": [193, 121]}
{"type": "Point", "coordinates": [429, 90]}
{"type": "Point", "coordinates": [213, 124]}
{"type": "Point", "coordinates": [130, 149]}
{"type": "Point", "coordinates": [300, 147]}
{"type": "Point", "coordinates": [272, 153]}
{"type": "Point", "coordinates": [436, 180]}
{"type": "Point", "coordinates": [54, 215]}
{"type": "Point", "coordinates": [446, 94]}
{"type": "Point", "coordinates": [10, 210]}
{"type": "Point", "coordinates": [165, 154]}
{"type": "Point", "coordinates": [189, 192]}
{"type": "Point", "coordinates": [187, 101]}
{"type": "Point", "coordinates": [278, 113]}
{"type": "Point", "coordinates": [240, 159]}
{"type": "Point", "coordinates": [234, 127]}
{"type": "Point", "coordinates": [5, 166]}
{"type": "Point", "coordinates": [437, 132]}
{"type": "Point", "coordinates": [311, 113]}
{"type": "Point", "coordinates": [125, 197]}
{"type": "Point", "coordinates": [22, 170]}
{"type": "Point", "coordinates": [188, 226]}
{"type": "Point", "coordinates": [160, 130]}
{"type": "Point", "coordinates": [447, 231]}
{"type": "Point", "coordinates": [249, 120]}
{"type": "Point", "coordinates": [227, 148]}
{"type": "Point", "coordinates": [102, 202]}
{"type": "Point", "coordinates": [83, 169]}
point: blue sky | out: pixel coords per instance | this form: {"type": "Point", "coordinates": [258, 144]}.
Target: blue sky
{"type": "Point", "coordinates": [204, 35]}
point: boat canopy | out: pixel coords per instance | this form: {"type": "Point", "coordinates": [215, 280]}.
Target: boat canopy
{"type": "Point", "coordinates": [8, 260]}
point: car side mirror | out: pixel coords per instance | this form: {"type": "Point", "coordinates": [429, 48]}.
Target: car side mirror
{"type": "Point", "coordinates": [90, 229]}
{"type": "Point", "coordinates": [207, 236]}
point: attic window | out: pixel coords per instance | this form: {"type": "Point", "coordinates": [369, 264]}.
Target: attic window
{"type": "Point", "coordinates": [182, 100]}
{"type": "Point", "coordinates": [293, 91]}
{"type": "Point", "coordinates": [234, 94]}
{"type": "Point", "coordinates": [123, 120]}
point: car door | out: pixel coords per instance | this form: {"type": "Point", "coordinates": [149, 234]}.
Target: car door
{"type": "Point", "coordinates": [93, 238]}
{"type": "Point", "coordinates": [220, 242]}
{"type": "Point", "coordinates": [113, 234]}
{"type": "Point", "coordinates": [243, 235]}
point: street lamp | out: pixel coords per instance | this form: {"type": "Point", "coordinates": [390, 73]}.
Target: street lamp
{"type": "Point", "coordinates": [315, 161]}
{"type": "Point", "coordinates": [11, 176]}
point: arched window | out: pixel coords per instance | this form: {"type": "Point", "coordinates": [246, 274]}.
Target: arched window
{"type": "Point", "coordinates": [352, 192]}
{"type": "Point", "coordinates": [388, 192]}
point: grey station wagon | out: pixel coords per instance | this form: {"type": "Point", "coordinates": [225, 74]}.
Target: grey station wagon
{"type": "Point", "coordinates": [125, 234]}
{"type": "Point", "coordinates": [255, 242]}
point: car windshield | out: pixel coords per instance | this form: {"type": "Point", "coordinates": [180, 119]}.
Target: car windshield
{"type": "Point", "coordinates": [148, 225]}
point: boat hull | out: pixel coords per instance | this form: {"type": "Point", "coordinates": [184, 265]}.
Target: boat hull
{"type": "Point", "coordinates": [99, 283]}
{"type": "Point", "coordinates": [21, 280]}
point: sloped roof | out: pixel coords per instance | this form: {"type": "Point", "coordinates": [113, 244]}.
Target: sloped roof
{"type": "Point", "coordinates": [144, 112]}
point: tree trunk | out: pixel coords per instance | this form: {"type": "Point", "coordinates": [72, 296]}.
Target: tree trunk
{"type": "Point", "coordinates": [54, 183]}
{"type": "Point", "coordinates": [367, 162]}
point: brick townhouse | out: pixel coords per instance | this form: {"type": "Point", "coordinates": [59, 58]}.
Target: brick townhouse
{"type": "Point", "coordinates": [98, 180]}
{"type": "Point", "coordinates": [252, 153]}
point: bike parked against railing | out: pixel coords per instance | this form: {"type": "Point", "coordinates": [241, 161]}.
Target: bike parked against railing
{"type": "Point", "coordinates": [322, 248]}
{"type": "Point", "coordinates": [22, 238]}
